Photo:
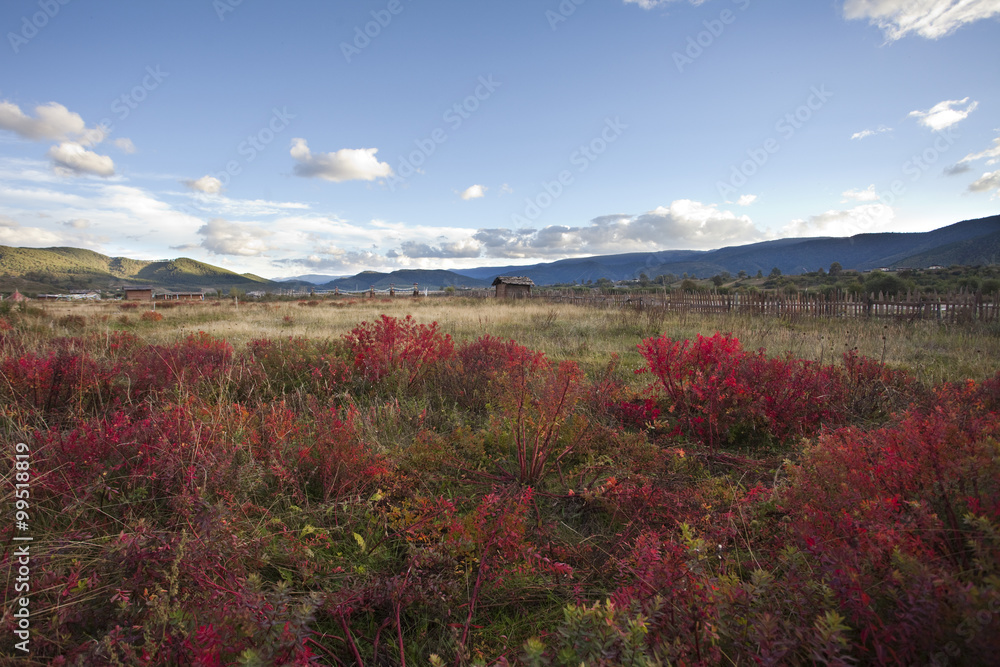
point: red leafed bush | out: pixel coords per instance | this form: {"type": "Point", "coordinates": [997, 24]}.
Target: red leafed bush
{"type": "Point", "coordinates": [483, 367]}
{"type": "Point", "coordinates": [658, 580]}
{"type": "Point", "coordinates": [637, 414]}
{"type": "Point", "coordinates": [199, 357]}
{"type": "Point", "coordinates": [400, 347]}
{"type": "Point", "coordinates": [719, 393]}
{"type": "Point", "coordinates": [903, 521]}
{"type": "Point", "coordinates": [333, 462]}
{"type": "Point", "coordinates": [58, 382]}
{"type": "Point", "coordinates": [317, 365]}
{"type": "Point", "coordinates": [151, 316]}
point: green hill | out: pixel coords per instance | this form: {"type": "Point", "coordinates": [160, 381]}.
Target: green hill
{"type": "Point", "coordinates": [42, 270]}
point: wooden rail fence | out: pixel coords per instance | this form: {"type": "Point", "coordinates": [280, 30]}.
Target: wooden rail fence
{"type": "Point", "coordinates": [947, 308]}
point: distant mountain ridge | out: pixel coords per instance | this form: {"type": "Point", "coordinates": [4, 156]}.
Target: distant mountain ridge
{"type": "Point", "coordinates": [60, 269]}
{"type": "Point", "coordinates": [404, 279]}
{"type": "Point", "coordinates": [971, 242]}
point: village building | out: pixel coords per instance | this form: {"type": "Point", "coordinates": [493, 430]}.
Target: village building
{"type": "Point", "coordinates": [138, 293]}
{"type": "Point", "coordinates": [513, 287]}
{"type": "Point", "coordinates": [179, 296]}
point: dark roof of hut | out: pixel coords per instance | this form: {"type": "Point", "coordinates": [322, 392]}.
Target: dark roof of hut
{"type": "Point", "coordinates": [512, 280]}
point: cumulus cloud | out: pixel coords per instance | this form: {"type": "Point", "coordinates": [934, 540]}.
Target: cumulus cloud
{"type": "Point", "coordinates": [347, 164]}
{"type": "Point", "coordinates": [867, 194]}
{"type": "Point", "coordinates": [988, 181]}
{"type": "Point", "coordinates": [931, 19]}
{"type": "Point", "coordinates": [746, 200]}
{"type": "Point", "coordinates": [222, 237]}
{"type": "Point", "coordinates": [683, 224]}
{"type": "Point", "coordinates": [210, 185]}
{"type": "Point", "coordinates": [473, 192]}
{"type": "Point", "coordinates": [13, 234]}
{"type": "Point", "coordinates": [52, 122]}
{"type": "Point", "coordinates": [848, 222]}
{"type": "Point", "coordinates": [864, 134]}
{"type": "Point", "coordinates": [72, 159]}
{"type": "Point", "coordinates": [944, 114]}
{"type": "Point", "coordinates": [466, 248]}
{"type": "Point", "coordinates": [78, 223]}
{"type": "Point", "coordinates": [338, 261]}
{"type": "Point", "coordinates": [957, 169]}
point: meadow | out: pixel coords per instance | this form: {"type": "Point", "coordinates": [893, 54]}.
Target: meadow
{"type": "Point", "coordinates": [451, 481]}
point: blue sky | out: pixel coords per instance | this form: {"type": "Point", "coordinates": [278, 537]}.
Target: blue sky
{"type": "Point", "coordinates": [334, 137]}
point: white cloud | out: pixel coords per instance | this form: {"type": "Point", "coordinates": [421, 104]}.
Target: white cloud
{"type": "Point", "coordinates": [347, 164]}
{"type": "Point", "coordinates": [746, 200]}
{"type": "Point", "coordinates": [868, 194]}
{"type": "Point", "coordinates": [473, 192]}
{"type": "Point", "coordinates": [683, 224]}
{"type": "Point", "coordinates": [52, 121]}
{"type": "Point", "coordinates": [72, 159]}
{"type": "Point", "coordinates": [125, 145]}
{"type": "Point", "coordinates": [55, 122]}
{"type": "Point", "coordinates": [13, 234]}
{"type": "Point", "coordinates": [864, 134]}
{"type": "Point", "coordinates": [78, 223]}
{"type": "Point", "coordinates": [992, 155]}
{"type": "Point", "coordinates": [208, 184]}
{"type": "Point", "coordinates": [943, 114]}
{"type": "Point", "coordinates": [989, 181]}
{"type": "Point", "coordinates": [466, 248]}
{"type": "Point", "coordinates": [219, 205]}
{"type": "Point", "coordinates": [222, 237]}
{"type": "Point", "coordinates": [928, 18]}
{"type": "Point", "coordinates": [652, 4]}
{"type": "Point", "coordinates": [505, 189]}
{"type": "Point", "coordinates": [857, 220]}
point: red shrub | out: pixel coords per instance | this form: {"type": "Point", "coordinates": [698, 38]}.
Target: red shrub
{"type": "Point", "coordinates": [392, 346]}
{"type": "Point", "coordinates": [317, 365]}
{"type": "Point", "coordinates": [720, 394]}
{"type": "Point", "coordinates": [59, 381]}
{"type": "Point", "coordinates": [882, 514]}
{"type": "Point", "coordinates": [483, 367]}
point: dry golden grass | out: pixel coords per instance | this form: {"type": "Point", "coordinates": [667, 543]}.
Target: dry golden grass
{"type": "Point", "coordinates": [591, 336]}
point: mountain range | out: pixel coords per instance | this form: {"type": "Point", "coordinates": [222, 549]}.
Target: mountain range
{"type": "Point", "coordinates": [968, 243]}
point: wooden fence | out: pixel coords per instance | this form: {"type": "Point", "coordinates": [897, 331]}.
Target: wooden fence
{"type": "Point", "coordinates": [948, 308]}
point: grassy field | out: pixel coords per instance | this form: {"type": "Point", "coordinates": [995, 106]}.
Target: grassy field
{"type": "Point", "coordinates": [334, 483]}
{"type": "Point", "coordinates": [932, 352]}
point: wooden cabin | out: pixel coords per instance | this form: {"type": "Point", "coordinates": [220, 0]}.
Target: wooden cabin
{"type": "Point", "coordinates": [513, 287]}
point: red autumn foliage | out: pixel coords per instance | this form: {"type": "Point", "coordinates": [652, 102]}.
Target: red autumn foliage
{"type": "Point", "coordinates": [396, 347]}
